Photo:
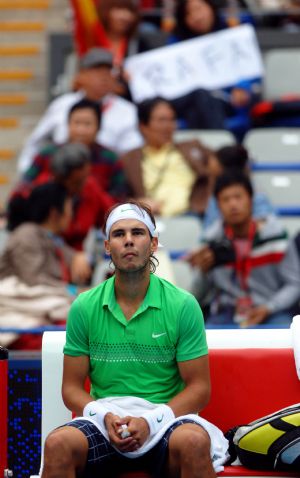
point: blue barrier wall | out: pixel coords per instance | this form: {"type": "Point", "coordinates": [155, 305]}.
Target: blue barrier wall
{"type": "Point", "coordinates": [24, 413]}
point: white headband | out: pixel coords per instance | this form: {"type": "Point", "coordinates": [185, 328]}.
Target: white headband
{"type": "Point", "coordinates": [129, 211]}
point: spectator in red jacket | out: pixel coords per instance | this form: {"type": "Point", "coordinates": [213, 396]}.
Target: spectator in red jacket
{"type": "Point", "coordinates": [84, 121]}
{"type": "Point", "coordinates": [70, 165]}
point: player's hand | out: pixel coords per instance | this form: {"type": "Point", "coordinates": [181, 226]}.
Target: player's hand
{"type": "Point", "coordinates": [138, 429]}
{"type": "Point", "coordinates": [114, 428]}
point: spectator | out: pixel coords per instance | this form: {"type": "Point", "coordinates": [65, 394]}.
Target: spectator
{"type": "Point", "coordinates": [120, 19]}
{"type": "Point", "coordinates": [36, 265]}
{"type": "Point", "coordinates": [199, 110]}
{"type": "Point", "coordinates": [70, 166]}
{"type": "Point", "coordinates": [195, 18]}
{"type": "Point", "coordinates": [141, 342]}
{"type": "Point", "coordinates": [226, 159]}
{"type": "Point", "coordinates": [94, 81]}
{"type": "Point", "coordinates": [279, 13]}
{"type": "Point", "coordinates": [163, 172]}
{"type": "Point", "coordinates": [251, 273]}
{"type": "Point", "coordinates": [84, 121]}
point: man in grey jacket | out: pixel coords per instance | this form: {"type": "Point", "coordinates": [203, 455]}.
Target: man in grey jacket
{"type": "Point", "coordinates": [249, 267]}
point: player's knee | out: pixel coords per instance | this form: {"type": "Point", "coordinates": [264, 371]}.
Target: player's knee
{"type": "Point", "coordinates": [193, 443]}
{"type": "Point", "coordinates": [197, 442]}
{"type": "Point", "coordinates": [57, 447]}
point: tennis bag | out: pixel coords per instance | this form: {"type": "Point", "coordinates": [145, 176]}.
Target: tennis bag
{"type": "Point", "coordinates": [271, 442]}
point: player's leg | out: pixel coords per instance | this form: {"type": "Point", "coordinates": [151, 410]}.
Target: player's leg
{"type": "Point", "coordinates": [65, 453]}
{"type": "Point", "coordinates": [189, 453]}
{"type": "Point", "coordinates": [76, 448]}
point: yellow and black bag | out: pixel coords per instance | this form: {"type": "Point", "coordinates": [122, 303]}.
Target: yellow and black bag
{"type": "Point", "coordinates": [271, 442]}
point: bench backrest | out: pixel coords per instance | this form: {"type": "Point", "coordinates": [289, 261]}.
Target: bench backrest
{"type": "Point", "coordinates": [253, 373]}
{"type": "Point", "coordinates": [250, 383]}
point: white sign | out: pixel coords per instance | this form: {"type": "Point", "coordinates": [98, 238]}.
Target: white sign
{"type": "Point", "coordinates": [211, 62]}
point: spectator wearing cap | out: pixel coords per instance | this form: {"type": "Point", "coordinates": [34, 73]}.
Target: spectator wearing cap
{"type": "Point", "coordinates": [71, 167]}
{"type": "Point", "coordinates": [119, 122]}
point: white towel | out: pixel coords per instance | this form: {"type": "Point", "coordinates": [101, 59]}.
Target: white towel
{"type": "Point", "coordinates": [295, 329]}
{"type": "Point", "coordinates": [134, 406]}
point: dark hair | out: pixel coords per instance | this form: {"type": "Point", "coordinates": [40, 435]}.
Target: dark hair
{"type": "Point", "coordinates": [233, 179]}
{"type": "Point", "coordinates": [105, 6]}
{"type": "Point", "coordinates": [44, 198]}
{"type": "Point", "coordinates": [182, 31]}
{"type": "Point", "coordinates": [85, 103]}
{"type": "Point", "coordinates": [143, 207]}
{"type": "Point", "coordinates": [17, 206]}
{"type": "Point", "coordinates": [146, 107]}
{"type": "Point", "coordinates": [69, 157]}
{"type": "Point", "coordinates": [233, 157]}
{"type": "Point", "coordinates": [34, 204]}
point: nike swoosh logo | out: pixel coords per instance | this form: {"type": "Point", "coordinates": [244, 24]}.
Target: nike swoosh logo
{"type": "Point", "coordinates": [155, 336]}
{"type": "Point", "coordinates": [160, 419]}
{"type": "Point", "coordinates": [127, 209]}
{"type": "Point", "coordinates": [92, 414]}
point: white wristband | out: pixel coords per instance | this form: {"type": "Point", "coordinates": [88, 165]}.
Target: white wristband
{"type": "Point", "coordinates": [158, 418]}
{"type": "Point", "coordinates": [96, 411]}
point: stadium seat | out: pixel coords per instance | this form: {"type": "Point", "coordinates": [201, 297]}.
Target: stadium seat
{"type": "Point", "coordinates": [282, 73]}
{"type": "Point", "coordinates": [178, 233]}
{"type": "Point", "coordinates": [274, 146]}
{"type": "Point", "coordinates": [211, 138]}
{"type": "Point", "coordinates": [184, 274]}
{"type": "Point", "coordinates": [291, 224]}
{"type": "Point", "coordinates": [282, 188]}
{"type": "Point", "coordinates": [101, 271]}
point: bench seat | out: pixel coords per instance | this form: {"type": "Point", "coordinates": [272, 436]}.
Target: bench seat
{"type": "Point", "coordinates": [229, 472]}
{"type": "Point", "coordinates": [241, 471]}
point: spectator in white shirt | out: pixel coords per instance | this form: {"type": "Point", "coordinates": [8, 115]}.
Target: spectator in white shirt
{"type": "Point", "coordinates": [119, 130]}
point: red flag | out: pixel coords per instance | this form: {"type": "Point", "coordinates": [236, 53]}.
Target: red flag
{"type": "Point", "coordinates": [88, 30]}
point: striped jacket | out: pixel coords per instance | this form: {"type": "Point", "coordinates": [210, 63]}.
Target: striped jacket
{"type": "Point", "coordinates": [274, 278]}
